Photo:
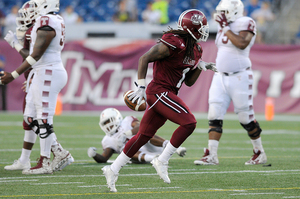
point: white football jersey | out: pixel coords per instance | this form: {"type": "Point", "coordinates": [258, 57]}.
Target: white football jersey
{"type": "Point", "coordinates": [229, 57]}
{"type": "Point", "coordinates": [53, 53]}
{"type": "Point", "coordinates": [112, 141]}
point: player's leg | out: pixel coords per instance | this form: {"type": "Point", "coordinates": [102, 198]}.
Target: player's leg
{"type": "Point", "coordinates": [243, 106]}
{"type": "Point", "coordinates": [218, 105]}
{"type": "Point", "coordinates": [29, 139]}
{"type": "Point", "coordinates": [150, 122]}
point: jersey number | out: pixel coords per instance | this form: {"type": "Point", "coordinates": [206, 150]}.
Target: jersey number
{"type": "Point", "coordinates": [183, 77]}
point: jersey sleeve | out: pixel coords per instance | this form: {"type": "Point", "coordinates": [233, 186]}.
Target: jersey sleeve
{"type": "Point", "coordinates": [46, 20]}
{"type": "Point", "coordinates": [172, 41]}
{"type": "Point", "coordinates": [248, 24]}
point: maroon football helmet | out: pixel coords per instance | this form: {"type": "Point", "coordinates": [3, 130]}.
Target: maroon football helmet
{"type": "Point", "coordinates": [194, 22]}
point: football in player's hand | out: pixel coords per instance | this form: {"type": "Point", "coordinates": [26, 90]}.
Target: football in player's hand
{"type": "Point", "coordinates": [134, 106]}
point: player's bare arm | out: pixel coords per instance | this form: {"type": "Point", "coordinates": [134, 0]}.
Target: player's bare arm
{"type": "Point", "coordinates": [192, 76]}
{"type": "Point", "coordinates": [24, 53]}
{"type": "Point", "coordinates": [157, 52]}
{"type": "Point", "coordinates": [157, 140]}
{"type": "Point", "coordinates": [136, 126]}
{"type": "Point", "coordinates": [241, 40]}
{"type": "Point", "coordinates": [43, 40]}
{"type": "Point", "coordinates": [107, 153]}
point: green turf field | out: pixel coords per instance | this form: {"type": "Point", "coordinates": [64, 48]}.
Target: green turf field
{"type": "Point", "coordinates": [230, 179]}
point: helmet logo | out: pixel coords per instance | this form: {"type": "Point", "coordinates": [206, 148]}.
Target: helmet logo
{"type": "Point", "coordinates": [197, 19]}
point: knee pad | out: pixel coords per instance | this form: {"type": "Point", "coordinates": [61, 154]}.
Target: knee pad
{"type": "Point", "coordinates": [218, 124]}
{"type": "Point", "coordinates": [250, 127]}
{"type": "Point", "coordinates": [33, 124]}
{"type": "Point", "coordinates": [44, 128]}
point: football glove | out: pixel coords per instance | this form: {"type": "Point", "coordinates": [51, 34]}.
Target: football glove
{"type": "Point", "coordinates": [11, 38]}
{"type": "Point", "coordinates": [140, 93]}
{"type": "Point", "coordinates": [204, 66]}
{"type": "Point", "coordinates": [92, 152]}
{"type": "Point", "coordinates": [222, 20]}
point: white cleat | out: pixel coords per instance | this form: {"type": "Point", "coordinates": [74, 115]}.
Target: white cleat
{"type": "Point", "coordinates": [62, 158]}
{"type": "Point", "coordinates": [207, 159]}
{"type": "Point", "coordinates": [161, 169]}
{"type": "Point", "coordinates": [181, 151]}
{"type": "Point", "coordinates": [111, 178]}
{"type": "Point", "coordinates": [43, 167]}
{"type": "Point", "coordinates": [17, 165]}
{"type": "Point", "coordinates": [257, 158]}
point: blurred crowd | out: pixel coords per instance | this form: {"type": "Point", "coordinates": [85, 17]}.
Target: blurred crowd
{"type": "Point", "coordinates": [148, 11]}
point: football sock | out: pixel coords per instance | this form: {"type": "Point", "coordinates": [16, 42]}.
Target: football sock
{"type": "Point", "coordinates": [45, 145]}
{"type": "Point", "coordinates": [54, 140]}
{"type": "Point", "coordinates": [213, 146]}
{"type": "Point", "coordinates": [148, 157]}
{"type": "Point", "coordinates": [257, 144]}
{"type": "Point", "coordinates": [121, 161]}
{"type": "Point", "coordinates": [167, 153]}
{"type": "Point", "coordinates": [165, 143]}
{"type": "Point", "coordinates": [25, 155]}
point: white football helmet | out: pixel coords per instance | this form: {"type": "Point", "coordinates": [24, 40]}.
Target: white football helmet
{"type": "Point", "coordinates": [110, 120]}
{"type": "Point", "coordinates": [233, 9]}
{"type": "Point", "coordinates": [194, 22]}
{"type": "Point", "coordinates": [26, 15]}
{"type": "Point", "coordinates": [46, 6]}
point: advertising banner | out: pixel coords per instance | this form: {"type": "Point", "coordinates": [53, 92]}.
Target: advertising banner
{"type": "Point", "coordinates": [100, 71]}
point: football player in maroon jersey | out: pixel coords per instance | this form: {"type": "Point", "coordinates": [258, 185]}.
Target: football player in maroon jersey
{"type": "Point", "coordinates": [176, 59]}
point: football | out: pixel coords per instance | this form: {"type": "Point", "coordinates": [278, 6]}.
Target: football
{"type": "Point", "coordinates": [134, 106]}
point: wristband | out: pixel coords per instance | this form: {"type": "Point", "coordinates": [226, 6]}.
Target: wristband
{"type": "Point", "coordinates": [15, 74]}
{"type": "Point", "coordinates": [30, 60]}
{"type": "Point", "coordinates": [225, 29]}
{"type": "Point", "coordinates": [18, 47]}
{"type": "Point", "coordinates": [141, 82]}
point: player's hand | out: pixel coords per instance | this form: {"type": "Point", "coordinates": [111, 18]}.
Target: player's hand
{"type": "Point", "coordinates": [92, 152]}
{"type": "Point", "coordinates": [11, 38]}
{"type": "Point", "coordinates": [207, 66]}
{"type": "Point", "coordinates": [138, 95]}
{"type": "Point", "coordinates": [5, 78]}
{"type": "Point", "coordinates": [221, 19]}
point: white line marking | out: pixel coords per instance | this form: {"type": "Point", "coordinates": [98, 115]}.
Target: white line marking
{"type": "Point", "coordinates": [57, 183]}
{"type": "Point", "coordinates": [244, 194]}
{"type": "Point", "coordinates": [119, 185]}
{"type": "Point", "coordinates": [155, 188]}
{"type": "Point", "coordinates": [291, 197]}
{"type": "Point", "coordinates": [17, 180]}
{"type": "Point", "coordinates": [149, 174]}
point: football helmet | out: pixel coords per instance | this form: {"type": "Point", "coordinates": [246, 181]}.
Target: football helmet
{"type": "Point", "coordinates": [26, 15]}
{"type": "Point", "coordinates": [194, 22]}
{"type": "Point", "coordinates": [46, 6]}
{"type": "Point", "coordinates": [233, 9]}
{"type": "Point", "coordinates": [110, 120]}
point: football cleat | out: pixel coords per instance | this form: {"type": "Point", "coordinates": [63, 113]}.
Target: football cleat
{"type": "Point", "coordinates": [43, 167]}
{"type": "Point", "coordinates": [161, 169]}
{"type": "Point", "coordinates": [181, 151]}
{"type": "Point", "coordinates": [207, 159]}
{"type": "Point", "coordinates": [17, 165]}
{"type": "Point", "coordinates": [257, 158]}
{"type": "Point", "coordinates": [61, 158]}
{"type": "Point", "coordinates": [111, 178]}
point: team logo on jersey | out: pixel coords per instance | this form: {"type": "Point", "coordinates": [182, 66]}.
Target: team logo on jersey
{"type": "Point", "coordinates": [197, 19]}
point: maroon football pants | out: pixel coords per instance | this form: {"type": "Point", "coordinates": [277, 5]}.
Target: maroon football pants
{"type": "Point", "coordinates": [162, 107]}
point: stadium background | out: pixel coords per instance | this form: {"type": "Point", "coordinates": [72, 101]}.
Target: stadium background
{"type": "Point", "coordinates": [101, 57]}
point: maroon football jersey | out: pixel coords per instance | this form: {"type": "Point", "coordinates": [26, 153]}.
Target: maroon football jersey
{"type": "Point", "coordinates": [27, 46]}
{"type": "Point", "coordinates": [169, 73]}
